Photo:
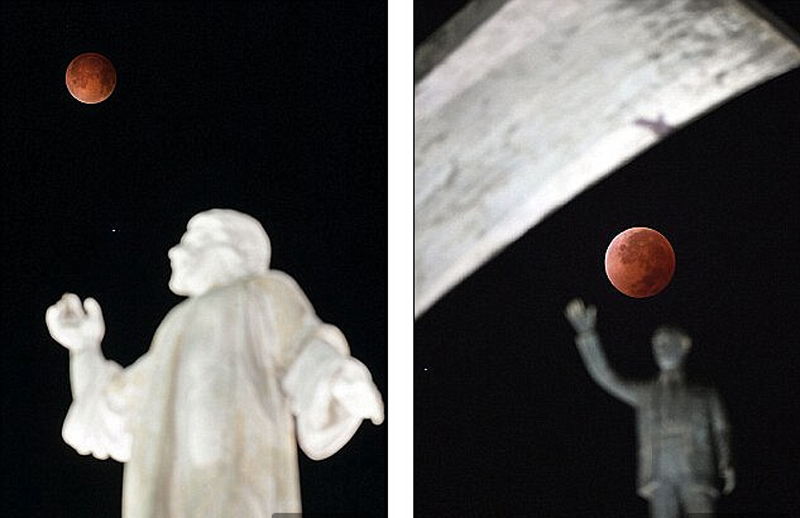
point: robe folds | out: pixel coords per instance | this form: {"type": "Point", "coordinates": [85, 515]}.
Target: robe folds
{"type": "Point", "coordinates": [208, 421]}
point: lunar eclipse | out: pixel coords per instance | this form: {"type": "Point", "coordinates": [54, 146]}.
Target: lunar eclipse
{"type": "Point", "coordinates": [640, 262]}
{"type": "Point", "coordinates": [91, 78]}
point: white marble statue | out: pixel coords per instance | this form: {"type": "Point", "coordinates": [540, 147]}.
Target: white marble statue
{"type": "Point", "coordinates": [207, 422]}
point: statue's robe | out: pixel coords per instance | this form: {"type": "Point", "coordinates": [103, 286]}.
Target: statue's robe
{"type": "Point", "coordinates": [207, 422]}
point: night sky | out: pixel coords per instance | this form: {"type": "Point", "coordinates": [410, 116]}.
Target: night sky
{"type": "Point", "coordinates": [276, 109]}
{"type": "Point", "coordinates": [507, 420]}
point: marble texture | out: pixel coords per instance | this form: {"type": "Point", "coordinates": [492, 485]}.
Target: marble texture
{"type": "Point", "coordinates": [208, 421]}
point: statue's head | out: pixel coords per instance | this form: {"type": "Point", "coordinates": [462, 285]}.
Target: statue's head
{"type": "Point", "coordinates": [670, 346]}
{"type": "Point", "coordinates": [218, 247]}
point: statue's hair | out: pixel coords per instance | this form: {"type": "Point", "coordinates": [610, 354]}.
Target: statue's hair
{"type": "Point", "coordinates": [245, 233]}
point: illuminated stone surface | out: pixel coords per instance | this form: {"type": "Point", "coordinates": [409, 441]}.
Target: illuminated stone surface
{"type": "Point", "coordinates": [207, 422]}
{"type": "Point", "coordinates": [542, 98]}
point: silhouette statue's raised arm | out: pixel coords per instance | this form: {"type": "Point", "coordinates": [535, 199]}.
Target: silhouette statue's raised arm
{"type": "Point", "coordinates": [583, 320]}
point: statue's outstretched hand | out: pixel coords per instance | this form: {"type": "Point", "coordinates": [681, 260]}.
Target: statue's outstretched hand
{"type": "Point", "coordinates": [356, 392]}
{"type": "Point", "coordinates": [581, 317]}
{"type": "Point", "coordinates": [74, 325]}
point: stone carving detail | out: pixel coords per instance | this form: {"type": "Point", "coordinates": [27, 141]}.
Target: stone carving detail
{"type": "Point", "coordinates": [207, 422]}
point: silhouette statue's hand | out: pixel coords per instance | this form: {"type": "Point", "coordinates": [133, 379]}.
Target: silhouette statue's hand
{"type": "Point", "coordinates": [729, 476]}
{"type": "Point", "coordinates": [581, 317]}
{"type": "Point", "coordinates": [74, 325]}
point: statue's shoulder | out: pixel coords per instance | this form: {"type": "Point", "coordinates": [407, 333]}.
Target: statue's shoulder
{"type": "Point", "coordinates": [276, 285]}
{"type": "Point", "coordinates": [178, 310]}
{"type": "Point", "coordinates": [274, 281]}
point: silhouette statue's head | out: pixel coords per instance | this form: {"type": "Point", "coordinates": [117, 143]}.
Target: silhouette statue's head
{"type": "Point", "coordinates": [218, 247]}
{"type": "Point", "coordinates": [670, 346]}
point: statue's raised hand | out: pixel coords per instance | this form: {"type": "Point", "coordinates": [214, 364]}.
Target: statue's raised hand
{"type": "Point", "coordinates": [74, 325]}
{"type": "Point", "coordinates": [581, 317]}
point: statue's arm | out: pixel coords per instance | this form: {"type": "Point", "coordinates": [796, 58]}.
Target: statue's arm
{"type": "Point", "coordinates": [329, 391]}
{"type": "Point", "coordinates": [96, 421]}
{"type": "Point", "coordinates": [80, 328]}
{"type": "Point", "coordinates": [583, 319]}
{"type": "Point", "coordinates": [594, 358]}
{"type": "Point", "coordinates": [86, 367]}
{"type": "Point", "coordinates": [721, 431]}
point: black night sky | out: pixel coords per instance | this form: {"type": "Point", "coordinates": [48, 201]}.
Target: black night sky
{"type": "Point", "coordinates": [276, 109]}
{"type": "Point", "coordinates": [507, 420]}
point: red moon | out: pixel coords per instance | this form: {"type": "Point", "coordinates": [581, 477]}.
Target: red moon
{"type": "Point", "coordinates": [640, 262]}
{"type": "Point", "coordinates": [91, 78]}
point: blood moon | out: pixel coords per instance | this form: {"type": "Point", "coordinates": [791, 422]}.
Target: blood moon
{"type": "Point", "coordinates": [640, 262]}
{"type": "Point", "coordinates": [91, 78]}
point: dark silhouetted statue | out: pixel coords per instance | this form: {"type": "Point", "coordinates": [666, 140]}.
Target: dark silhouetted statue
{"type": "Point", "coordinates": [682, 429]}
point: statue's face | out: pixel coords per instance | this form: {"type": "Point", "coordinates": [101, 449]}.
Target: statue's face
{"type": "Point", "coordinates": [670, 348]}
{"type": "Point", "coordinates": [203, 259]}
